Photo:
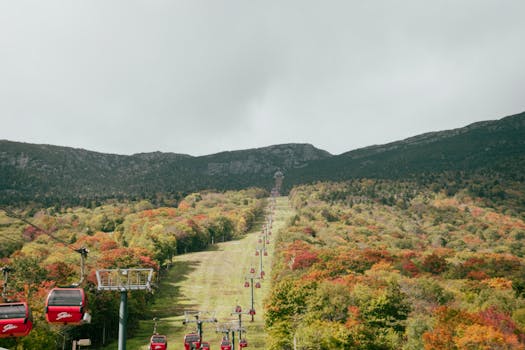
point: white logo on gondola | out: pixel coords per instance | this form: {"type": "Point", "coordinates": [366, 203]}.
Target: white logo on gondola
{"type": "Point", "coordinates": [8, 327]}
{"type": "Point", "coordinates": [62, 315]}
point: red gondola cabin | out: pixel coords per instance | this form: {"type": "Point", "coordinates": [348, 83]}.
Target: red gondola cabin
{"type": "Point", "coordinates": [243, 344]}
{"type": "Point", "coordinates": [15, 320]}
{"type": "Point", "coordinates": [226, 344]}
{"type": "Point", "coordinates": [191, 341]}
{"type": "Point", "coordinates": [158, 342]}
{"type": "Point", "coordinates": [205, 345]}
{"type": "Point", "coordinates": [66, 305]}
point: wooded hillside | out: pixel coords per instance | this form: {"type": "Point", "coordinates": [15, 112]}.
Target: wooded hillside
{"type": "Point", "coordinates": [381, 264]}
{"type": "Point", "coordinates": [117, 235]}
{"type": "Point", "coordinates": [51, 175]}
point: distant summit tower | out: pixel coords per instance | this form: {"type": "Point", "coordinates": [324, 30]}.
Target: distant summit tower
{"type": "Point", "coordinates": [278, 176]}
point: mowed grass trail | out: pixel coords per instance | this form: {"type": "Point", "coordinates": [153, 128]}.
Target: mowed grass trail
{"type": "Point", "coordinates": [213, 280]}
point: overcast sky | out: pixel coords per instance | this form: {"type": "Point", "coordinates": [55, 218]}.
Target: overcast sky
{"type": "Point", "coordinates": [203, 76]}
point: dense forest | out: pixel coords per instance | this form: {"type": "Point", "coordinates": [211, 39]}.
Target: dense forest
{"type": "Point", "coordinates": [490, 147]}
{"type": "Point", "coordinates": [383, 264]}
{"type": "Point", "coordinates": [46, 175]}
{"type": "Point", "coordinates": [417, 244]}
{"type": "Point", "coordinates": [117, 235]}
{"type": "Point", "coordinates": [434, 262]}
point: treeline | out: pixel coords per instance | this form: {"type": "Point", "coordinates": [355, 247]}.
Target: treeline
{"type": "Point", "coordinates": [380, 264]}
{"type": "Point", "coordinates": [117, 235]}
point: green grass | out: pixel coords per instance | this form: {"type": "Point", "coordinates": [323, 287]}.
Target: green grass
{"type": "Point", "coordinates": [212, 281]}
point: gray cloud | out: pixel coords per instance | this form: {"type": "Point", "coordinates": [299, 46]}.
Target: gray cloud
{"type": "Point", "coordinates": [200, 77]}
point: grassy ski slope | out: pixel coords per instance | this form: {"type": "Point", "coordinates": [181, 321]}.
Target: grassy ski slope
{"type": "Point", "coordinates": [213, 281]}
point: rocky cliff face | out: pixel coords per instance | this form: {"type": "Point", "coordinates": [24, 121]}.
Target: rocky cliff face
{"type": "Point", "coordinates": [265, 160]}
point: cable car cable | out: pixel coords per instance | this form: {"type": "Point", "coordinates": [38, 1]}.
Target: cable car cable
{"type": "Point", "coordinates": [82, 251]}
{"type": "Point", "coordinates": [14, 215]}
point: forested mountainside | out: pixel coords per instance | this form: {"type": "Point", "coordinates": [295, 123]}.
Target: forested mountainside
{"type": "Point", "coordinates": [50, 174]}
{"type": "Point", "coordinates": [490, 147]}
{"type": "Point", "coordinates": [388, 264]}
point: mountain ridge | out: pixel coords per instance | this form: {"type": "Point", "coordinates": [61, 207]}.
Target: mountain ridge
{"type": "Point", "coordinates": [483, 145]}
{"type": "Point", "coordinates": [47, 173]}
{"type": "Point", "coordinates": [434, 135]}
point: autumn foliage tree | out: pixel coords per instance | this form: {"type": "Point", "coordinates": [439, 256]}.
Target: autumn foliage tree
{"type": "Point", "coordinates": [117, 235]}
{"type": "Point", "coordinates": [400, 265]}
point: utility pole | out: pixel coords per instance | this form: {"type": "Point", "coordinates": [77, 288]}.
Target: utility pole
{"type": "Point", "coordinates": [5, 273]}
{"type": "Point", "coordinates": [229, 329]}
{"type": "Point", "coordinates": [233, 327]}
{"type": "Point", "coordinates": [227, 341]}
{"type": "Point", "coordinates": [249, 282]}
{"type": "Point", "coordinates": [260, 251]}
{"type": "Point", "coordinates": [123, 319]}
{"type": "Point", "coordinates": [124, 280]}
{"type": "Point", "coordinates": [238, 311]}
{"type": "Point", "coordinates": [155, 320]}
{"type": "Point", "coordinates": [199, 317]}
